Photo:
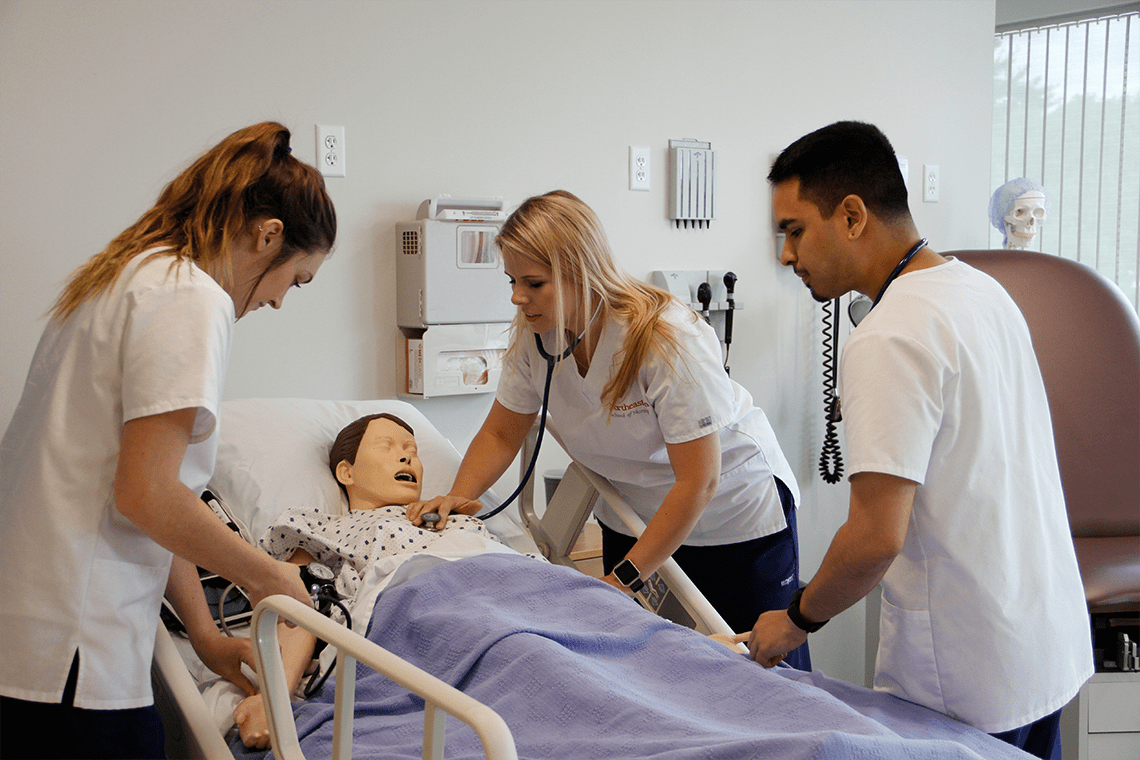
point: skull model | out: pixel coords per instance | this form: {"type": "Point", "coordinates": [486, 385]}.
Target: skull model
{"type": "Point", "coordinates": [1017, 210]}
{"type": "Point", "coordinates": [1024, 217]}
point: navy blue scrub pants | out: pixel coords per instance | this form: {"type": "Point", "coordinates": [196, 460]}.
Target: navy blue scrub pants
{"type": "Point", "coordinates": [43, 730]}
{"type": "Point", "coordinates": [1042, 738]}
{"type": "Point", "coordinates": [740, 580]}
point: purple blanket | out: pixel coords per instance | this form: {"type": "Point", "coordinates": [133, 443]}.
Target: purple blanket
{"type": "Point", "coordinates": [579, 671]}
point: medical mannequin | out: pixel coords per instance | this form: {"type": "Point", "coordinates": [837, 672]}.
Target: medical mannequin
{"type": "Point", "coordinates": [956, 501]}
{"type": "Point", "coordinates": [114, 438]}
{"type": "Point", "coordinates": [1017, 209]}
{"type": "Point", "coordinates": [643, 399]}
{"type": "Point", "coordinates": [375, 461]}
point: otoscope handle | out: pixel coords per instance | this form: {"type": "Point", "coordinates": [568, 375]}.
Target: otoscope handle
{"type": "Point", "coordinates": [729, 286]}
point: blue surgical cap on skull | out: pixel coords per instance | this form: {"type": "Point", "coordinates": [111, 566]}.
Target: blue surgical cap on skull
{"type": "Point", "coordinates": [1002, 201]}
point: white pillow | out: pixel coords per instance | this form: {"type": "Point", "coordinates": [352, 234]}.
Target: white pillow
{"type": "Point", "coordinates": [273, 455]}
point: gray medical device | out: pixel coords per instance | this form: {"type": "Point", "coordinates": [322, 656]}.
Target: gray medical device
{"type": "Point", "coordinates": [448, 269]}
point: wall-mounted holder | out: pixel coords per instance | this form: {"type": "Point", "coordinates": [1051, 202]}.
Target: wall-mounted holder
{"type": "Point", "coordinates": [453, 360]}
{"type": "Point", "coordinates": [691, 174]}
{"type": "Point", "coordinates": [686, 284]}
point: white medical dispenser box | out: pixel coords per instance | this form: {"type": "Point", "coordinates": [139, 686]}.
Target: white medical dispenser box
{"type": "Point", "coordinates": [453, 301]}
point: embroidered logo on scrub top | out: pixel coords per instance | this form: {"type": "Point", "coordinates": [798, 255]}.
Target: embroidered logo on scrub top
{"type": "Point", "coordinates": [704, 422]}
{"type": "Point", "coordinates": [627, 410]}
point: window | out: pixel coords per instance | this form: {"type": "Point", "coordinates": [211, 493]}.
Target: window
{"type": "Point", "coordinates": [1067, 114]}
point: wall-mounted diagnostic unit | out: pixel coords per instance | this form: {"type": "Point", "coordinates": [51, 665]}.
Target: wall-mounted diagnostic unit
{"type": "Point", "coordinates": [453, 303]}
{"type": "Point", "coordinates": [709, 292]}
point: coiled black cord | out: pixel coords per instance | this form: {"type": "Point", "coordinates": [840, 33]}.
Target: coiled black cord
{"type": "Point", "coordinates": [830, 458]}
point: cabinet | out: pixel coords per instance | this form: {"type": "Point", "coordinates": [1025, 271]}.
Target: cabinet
{"type": "Point", "coordinates": [1103, 721]}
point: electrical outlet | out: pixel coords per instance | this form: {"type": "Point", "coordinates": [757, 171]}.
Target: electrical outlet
{"type": "Point", "coordinates": [638, 168]}
{"type": "Point", "coordinates": [330, 150]}
{"type": "Point", "coordinates": [930, 183]}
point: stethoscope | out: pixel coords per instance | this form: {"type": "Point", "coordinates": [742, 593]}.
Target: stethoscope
{"type": "Point", "coordinates": [551, 361]}
{"type": "Point", "coordinates": [861, 306]}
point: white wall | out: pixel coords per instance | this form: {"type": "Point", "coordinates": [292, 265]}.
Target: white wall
{"type": "Point", "coordinates": [102, 103]}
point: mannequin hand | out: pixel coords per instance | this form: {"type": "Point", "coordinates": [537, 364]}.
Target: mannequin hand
{"type": "Point", "coordinates": [442, 506]}
{"type": "Point", "coordinates": [250, 718]}
{"type": "Point", "coordinates": [224, 655]}
{"type": "Point", "coordinates": [732, 642]}
{"type": "Point", "coordinates": [773, 636]}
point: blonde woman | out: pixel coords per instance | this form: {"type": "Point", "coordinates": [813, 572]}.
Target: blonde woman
{"type": "Point", "coordinates": [114, 438]}
{"type": "Point", "coordinates": [643, 399]}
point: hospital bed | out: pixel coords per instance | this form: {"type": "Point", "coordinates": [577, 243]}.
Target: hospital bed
{"type": "Point", "coordinates": [272, 457]}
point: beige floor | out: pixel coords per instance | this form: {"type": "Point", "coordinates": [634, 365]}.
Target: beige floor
{"type": "Point", "coordinates": [587, 552]}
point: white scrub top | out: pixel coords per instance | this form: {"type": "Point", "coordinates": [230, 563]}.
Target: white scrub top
{"type": "Point", "coordinates": [666, 404]}
{"type": "Point", "coordinates": [78, 575]}
{"type": "Point", "coordinates": [983, 615]}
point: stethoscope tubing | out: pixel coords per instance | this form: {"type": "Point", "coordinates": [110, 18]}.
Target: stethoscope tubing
{"type": "Point", "coordinates": [551, 360]}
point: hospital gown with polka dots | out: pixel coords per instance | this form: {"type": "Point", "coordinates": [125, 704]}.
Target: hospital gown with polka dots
{"type": "Point", "coordinates": [347, 544]}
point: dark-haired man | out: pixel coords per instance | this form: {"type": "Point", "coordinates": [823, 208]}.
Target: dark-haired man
{"type": "Point", "coordinates": [956, 501]}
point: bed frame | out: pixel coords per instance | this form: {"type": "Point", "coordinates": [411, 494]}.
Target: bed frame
{"type": "Point", "coordinates": [192, 733]}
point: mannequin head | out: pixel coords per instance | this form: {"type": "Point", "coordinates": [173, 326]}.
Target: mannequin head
{"type": "Point", "coordinates": [375, 461]}
{"type": "Point", "coordinates": [1017, 208]}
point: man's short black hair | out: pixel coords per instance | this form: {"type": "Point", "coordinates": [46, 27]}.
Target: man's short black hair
{"type": "Point", "coordinates": [841, 159]}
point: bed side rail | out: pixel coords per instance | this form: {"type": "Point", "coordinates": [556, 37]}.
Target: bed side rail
{"type": "Point", "coordinates": [669, 578]}
{"type": "Point", "coordinates": [668, 592]}
{"type": "Point", "coordinates": [440, 699]}
{"type": "Point", "coordinates": [189, 727]}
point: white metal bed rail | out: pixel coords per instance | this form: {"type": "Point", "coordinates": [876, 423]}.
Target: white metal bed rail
{"type": "Point", "coordinates": [561, 524]}
{"type": "Point", "coordinates": [440, 699]}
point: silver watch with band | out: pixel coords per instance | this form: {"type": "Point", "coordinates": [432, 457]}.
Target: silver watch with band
{"type": "Point", "coordinates": [629, 576]}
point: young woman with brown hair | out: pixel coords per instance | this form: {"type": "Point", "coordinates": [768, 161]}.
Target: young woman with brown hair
{"type": "Point", "coordinates": [114, 438]}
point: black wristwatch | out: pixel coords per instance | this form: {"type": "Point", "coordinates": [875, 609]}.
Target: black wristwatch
{"type": "Point", "coordinates": [629, 575]}
{"type": "Point", "coordinates": [801, 622]}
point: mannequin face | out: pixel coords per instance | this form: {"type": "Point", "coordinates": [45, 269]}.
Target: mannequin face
{"type": "Point", "coordinates": [387, 470]}
{"type": "Point", "coordinates": [1024, 218]}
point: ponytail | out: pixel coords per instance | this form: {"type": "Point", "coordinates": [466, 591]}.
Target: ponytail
{"type": "Point", "coordinates": [202, 212]}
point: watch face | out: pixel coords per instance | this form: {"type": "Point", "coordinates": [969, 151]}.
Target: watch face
{"type": "Point", "coordinates": [626, 572]}
{"type": "Point", "coordinates": [320, 572]}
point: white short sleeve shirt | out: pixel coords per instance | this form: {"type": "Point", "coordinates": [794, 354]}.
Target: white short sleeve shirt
{"type": "Point", "coordinates": [673, 401]}
{"type": "Point", "coordinates": [79, 575]}
{"type": "Point", "coordinates": [983, 614]}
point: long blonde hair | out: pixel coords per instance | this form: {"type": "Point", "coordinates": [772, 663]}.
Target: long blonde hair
{"type": "Point", "coordinates": [559, 231]}
{"type": "Point", "coordinates": [249, 175]}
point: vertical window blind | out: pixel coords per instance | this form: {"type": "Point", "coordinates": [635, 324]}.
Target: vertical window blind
{"type": "Point", "coordinates": [1067, 114]}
